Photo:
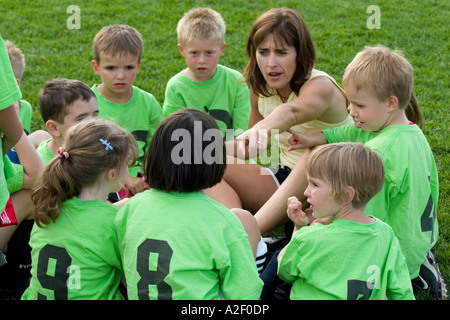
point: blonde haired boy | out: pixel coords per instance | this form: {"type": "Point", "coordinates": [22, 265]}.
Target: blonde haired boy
{"type": "Point", "coordinates": [118, 52]}
{"type": "Point", "coordinates": [205, 84]}
{"type": "Point", "coordinates": [379, 84]}
{"type": "Point", "coordinates": [344, 259]}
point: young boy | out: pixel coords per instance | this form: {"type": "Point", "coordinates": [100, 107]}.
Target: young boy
{"type": "Point", "coordinates": [17, 60]}
{"type": "Point", "coordinates": [206, 85]}
{"type": "Point", "coordinates": [63, 103]}
{"type": "Point", "coordinates": [344, 259]}
{"type": "Point", "coordinates": [117, 60]}
{"type": "Point", "coordinates": [380, 90]}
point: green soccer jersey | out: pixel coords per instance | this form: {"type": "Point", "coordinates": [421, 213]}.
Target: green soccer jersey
{"type": "Point", "coordinates": [346, 260]}
{"type": "Point", "coordinates": [225, 97]}
{"type": "Point", "coordinates": [44, 152]}
{"type": "Point", "coordinates": [9, 94]}
{"type": "Point", "coordinates": [184, 246]}
{"type": "Point", "coordinates": [408, 198]}
{"type": "Point", "coordinates": [77, 256]}
{"type": "Point", "coordinates": [13, 174]}
{"type": "Point", "coordinates": [25, 114]}
{"type": "Point", "coordinates": [141, 116]}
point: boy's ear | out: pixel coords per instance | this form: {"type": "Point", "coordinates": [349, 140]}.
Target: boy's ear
{"type": "Point", "coordinates": [52, 128]}
{"type": "Point", "coordinates": [223, 48]}
{"type": "Point", "coordinates": [392, 103]}
{"type": "Point", "coordinates": [348, 196]}
{"type": "Point", "coordinates": [139, 66]}
{"type": "Point", "coordinates": [96, 67]}
{"type": "Point", "coordinates": [180, 48]}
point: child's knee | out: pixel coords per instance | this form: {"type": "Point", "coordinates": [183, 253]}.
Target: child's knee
{"type": "Point", "coordinates": [247, 219]}
{"type": "Point", "coordinates": [250, 226]}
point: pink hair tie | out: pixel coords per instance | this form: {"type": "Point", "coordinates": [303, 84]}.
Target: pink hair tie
{"type": "Point", "coordinates": [62, 153]}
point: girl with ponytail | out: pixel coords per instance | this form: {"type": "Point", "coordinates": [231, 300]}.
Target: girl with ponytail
{"type": "Point", "coordinates": [74, 244]}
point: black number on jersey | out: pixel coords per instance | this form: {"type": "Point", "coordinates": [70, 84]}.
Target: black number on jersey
{"type": "Point", "coordinates": [358, 290]}
{"type": "Point", "coordinates": [58, 281]}
{"type": "Point", "coordinates": [429, 217]}
{"type": "Point", "coordinates": [151, 277]}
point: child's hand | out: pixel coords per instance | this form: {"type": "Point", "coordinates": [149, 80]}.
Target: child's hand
{"type": "Point", "coordinates": [297, 140]}
{"type": "Point", "coordinates": [296, 214]}
{"type": "Point", "coordinates": [136, 185]}
{"type": "Point", "coordinates": [325, 221]}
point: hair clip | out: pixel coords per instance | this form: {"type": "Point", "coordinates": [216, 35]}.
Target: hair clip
{"type": "Point", "coordinates": [62, 153]}
{"type": "Point", "coordinates": [106, 144]}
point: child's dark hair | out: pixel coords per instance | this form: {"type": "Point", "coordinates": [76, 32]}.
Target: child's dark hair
{"type": "Point", "coordinates": [59, 94]}
{"type": "Point", "coordinates": [195, 162]}
{"type": "Point", "coordinates": [90, 148]}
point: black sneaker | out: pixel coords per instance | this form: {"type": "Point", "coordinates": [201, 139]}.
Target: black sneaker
{"type": "Point", "coordinates": [430, 279]}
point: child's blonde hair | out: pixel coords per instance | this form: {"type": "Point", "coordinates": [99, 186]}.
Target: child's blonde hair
{"type": "Point", "coordinates": [201, 23]}
{"type": "Point", "coordinates": [118, 39]}
{"type": "Point", "coordinates": [385, 72]}
{"type": "Point", "coordinates": [16, 58]}
{"type": "Point", "coordinates": [91, 147]}
{"type": "Point", "coordinates": [348, 164]}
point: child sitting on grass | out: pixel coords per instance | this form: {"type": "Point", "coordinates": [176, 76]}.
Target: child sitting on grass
{"type": "Point", "coordinates": [355, 256]}
{"type": "Point", "coordinates": [117, 60]}
{"type": "Point", "coordinates": [74, 244]}
{"type": "Point", "coordinates": [387, 118]}
{"type": "Point", "coordinates": [175, 241]}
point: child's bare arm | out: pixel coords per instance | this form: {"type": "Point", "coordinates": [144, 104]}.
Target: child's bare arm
{"type": "Point", "coordinates": [11, 128]}
{"type": "Point", "coordinates": [29, 159]}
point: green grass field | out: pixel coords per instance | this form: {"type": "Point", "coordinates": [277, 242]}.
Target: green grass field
{"type": "Point", "coordinates": [339, 28]}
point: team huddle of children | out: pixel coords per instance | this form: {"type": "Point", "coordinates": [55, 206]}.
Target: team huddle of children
{"type": "Point", "coordinates": [128, 200]}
